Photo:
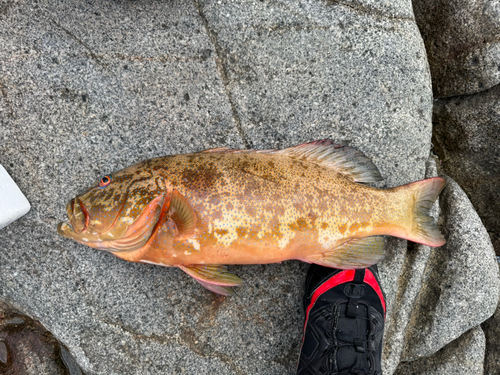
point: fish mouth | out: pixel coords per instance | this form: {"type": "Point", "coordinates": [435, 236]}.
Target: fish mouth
{"type": "Point", "coordinates": [65, 229]}
{"type": "Point", "coordinates": [78, 219]}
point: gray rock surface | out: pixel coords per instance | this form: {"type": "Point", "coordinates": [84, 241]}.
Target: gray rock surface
{"type": "Point", "coordinates": [460, 283]}
{"type": "Point", "coordinates": [491, 330]}
{"type": "Point", "coordinates": [463, 356]}
{"type": "Point", "coordinates": [467, 139]}
{"type": "Point", "coordinates": [88, 88]}
{"type": "Point", "coordinates": [440, 293]}
{"type": "Point", "coordinates": [353, 71]}
{"type": "Point", "coordinates": [462, 39]}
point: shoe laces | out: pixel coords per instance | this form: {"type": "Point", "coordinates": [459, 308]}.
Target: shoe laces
{"type": "Point", "coordinates": [360, 347]}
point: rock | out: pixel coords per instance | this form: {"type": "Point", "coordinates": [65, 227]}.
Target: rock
{"type": "Point", "coordinates": [467, 140]}
{"type": "Point", "coordinates": [491, 330]}
{"type": "Point", "coordinates": [462, 43]}
{"type": "Point", "coordinates": [463, 356]}
{"type": "Point", "coordinates": [355, 72]}
{"type": "Point", "coordinates": [88, 88]}
{"type": "Point", "coordinates": [27, 348]}
{"type": "Point", "coordinates": [460, 285]}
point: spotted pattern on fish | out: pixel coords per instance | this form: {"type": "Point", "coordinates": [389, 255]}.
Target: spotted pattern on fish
{"type": "Point", "coordinates": [245, 207]}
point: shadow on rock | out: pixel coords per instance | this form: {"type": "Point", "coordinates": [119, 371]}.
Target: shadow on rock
{"type": "Point", "coordinates": [26, 347]}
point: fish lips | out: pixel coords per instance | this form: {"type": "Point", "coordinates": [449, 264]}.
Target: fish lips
{"type": "Point", "coordinates": [65, 229]}
{"type": "Point", "coordinates": [78, 219]}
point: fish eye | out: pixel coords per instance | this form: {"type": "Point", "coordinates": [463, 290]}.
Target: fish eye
{"type": "Point", "coordinates": [105, 181]}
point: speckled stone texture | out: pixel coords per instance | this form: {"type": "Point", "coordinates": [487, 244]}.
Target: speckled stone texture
{"type": "Point", "coordinates": [353, 71]}
{"type": "Point", "coordinates": [91, 87]}
{"type": "Point", "coordinates": [464, 356]}
{"type": "Point", "coordinates": [462, 38]}
{"type": "Point", "coordinates": [467, 140]}
{"type": "Point", "coordinates": [491, 330]}
{"type": "Point", "coordinates": [461, 282]}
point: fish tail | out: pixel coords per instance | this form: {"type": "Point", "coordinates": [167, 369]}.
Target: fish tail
{"type": "Point", "coordinates": [424, 194]}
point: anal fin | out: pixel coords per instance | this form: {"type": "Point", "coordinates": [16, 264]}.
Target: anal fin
{"type": "Point", "coordinates": [223, 290]}
{"type": "Point", "coordinates": [355, 253]}
{"type": "Point", "coordinates": [214, 277]}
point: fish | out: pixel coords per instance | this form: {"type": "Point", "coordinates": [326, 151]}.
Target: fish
{"type": "Point", "coordinates": [315, 202]}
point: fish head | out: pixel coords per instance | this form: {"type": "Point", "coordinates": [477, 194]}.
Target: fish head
{"type": "Point", "coordinates": [117, 213]}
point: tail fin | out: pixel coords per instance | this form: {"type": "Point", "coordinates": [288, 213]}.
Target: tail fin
{"type": "Point", "coordinates": [425, 193]}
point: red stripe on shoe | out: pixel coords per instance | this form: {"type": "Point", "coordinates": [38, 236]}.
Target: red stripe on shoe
{"type": "Point", "coordinates": [372, 281]}
{"type": "Point", "coordinates": [342, 277]}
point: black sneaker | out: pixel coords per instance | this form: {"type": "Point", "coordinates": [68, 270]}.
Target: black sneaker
{"type": "Point", "coordinates": [344, 326]}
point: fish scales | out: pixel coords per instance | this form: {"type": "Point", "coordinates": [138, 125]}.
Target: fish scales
{"type": "Point", "coordinates": [204, 210]}
{"type": "Point", "coordinates": [278, 209]}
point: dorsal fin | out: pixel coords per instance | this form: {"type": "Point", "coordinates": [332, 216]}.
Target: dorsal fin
{"type": "Point", "coordinates": [215, 150]}
{"type": "Point", "coordinates": [227, 150]}
{"type": "Point", "coordinates": [344, 159]}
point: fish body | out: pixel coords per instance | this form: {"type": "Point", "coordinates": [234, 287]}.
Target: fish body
{"type": "Point", "coordinates": [204, 210]}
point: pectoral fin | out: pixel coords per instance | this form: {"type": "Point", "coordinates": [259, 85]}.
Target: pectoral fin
{"type": "Point", "coordinates": [182, 214]}
{"type": "Point", "coordinates": [213, 277]}
{"type": "Point", "coordinates": [355, 253]}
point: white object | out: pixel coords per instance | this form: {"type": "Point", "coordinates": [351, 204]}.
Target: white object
{"type": "Point", "coordinates": [13, 203]}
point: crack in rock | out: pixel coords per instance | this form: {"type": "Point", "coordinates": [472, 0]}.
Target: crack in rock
{"type": "Point", "coordinates": [82, 43]}
{"type": "Point", "coordinates": [186, 338]}
{"type": "Point", "coordinates": [221, 65]}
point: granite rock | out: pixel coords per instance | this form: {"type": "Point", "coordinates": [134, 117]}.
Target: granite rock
{"type": "Point", "coordinates": [461, 284]}
{"type": "Point", "coordinates": [467, 139]}
{"type": "Point", "coordinates": [462, 39]}
{"type": "Point", "coordinates": [353, 71]}
{"type": "Point", "coordinates": [463, 356]}
{"type": "Point", "coordinates": [491, 330]}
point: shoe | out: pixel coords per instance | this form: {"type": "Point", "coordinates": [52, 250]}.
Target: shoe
{"type": "Point", "coordinates": [344, 325]}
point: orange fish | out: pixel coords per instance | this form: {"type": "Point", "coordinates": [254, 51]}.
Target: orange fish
{"type": "Point", "coordinates": [204, 210]}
